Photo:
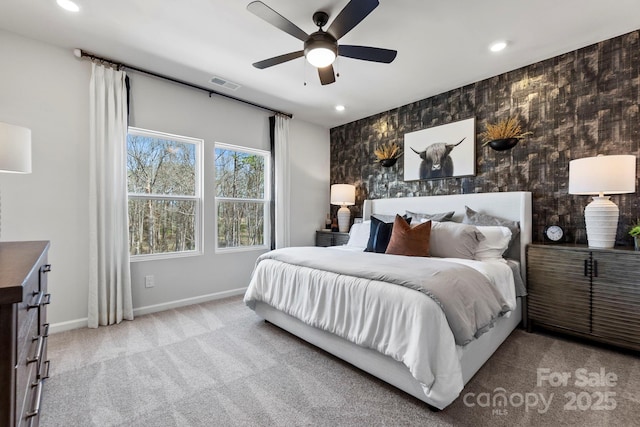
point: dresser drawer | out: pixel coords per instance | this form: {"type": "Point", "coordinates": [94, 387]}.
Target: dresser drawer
{"type": "Point", "coordinates": [27, 320]}
{"type": "Point", "coordinates": [26, 388]}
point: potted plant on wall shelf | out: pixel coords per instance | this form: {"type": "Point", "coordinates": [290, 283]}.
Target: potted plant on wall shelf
{"type": "Point", "coordinates": [503, 135]}
{"type": "Point", "coordinates": [635, 233]}
{"type": "Point", "coordinates": [388, 154]}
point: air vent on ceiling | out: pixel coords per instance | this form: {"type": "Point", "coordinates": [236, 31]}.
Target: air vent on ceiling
{"type": "Point", "coordinates": [224, 83]}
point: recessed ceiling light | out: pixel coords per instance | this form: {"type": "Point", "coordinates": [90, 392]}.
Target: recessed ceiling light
{"type": "Point", "coordinates": [68, 5]}
{"type": "Point", "coordinates": [497, 46]}
{"type": "Point", "coordinates": [339, 107]}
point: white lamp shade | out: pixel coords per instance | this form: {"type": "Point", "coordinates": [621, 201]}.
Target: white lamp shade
{"type": "Point", "coordinates": [343, 194]}
{"type": "Point", "coordinates": [598, 176]}
{"type": "Point", "coordinates": [603, 175]}
{"type": "Point", "coordinates": [15, 149]}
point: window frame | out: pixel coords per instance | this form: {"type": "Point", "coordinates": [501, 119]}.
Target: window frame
{"type": "Point", "coordinates": [266, 200]}
{"type": "Point", "coordinates": [197, 196]}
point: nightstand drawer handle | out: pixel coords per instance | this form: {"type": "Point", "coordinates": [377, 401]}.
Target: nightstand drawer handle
{"type": "Point", "coordinates": [45, 268]}
{"type": "Point", "coordinates": [586, 268]}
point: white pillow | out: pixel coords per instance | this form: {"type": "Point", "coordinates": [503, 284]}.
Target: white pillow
{"type": "Point", "coordinates": [359, 234]}
{"type": "Point", "coordinates": [495, 244]}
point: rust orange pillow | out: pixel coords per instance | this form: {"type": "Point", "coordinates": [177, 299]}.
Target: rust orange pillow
{"type": "Point", "coordinates": [409, 241]}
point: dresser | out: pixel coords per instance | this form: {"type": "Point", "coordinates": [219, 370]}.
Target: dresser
{"type": "Point", "coordinates": [586, 292]}
{"type": "Point", "coordinates": [331, 238]}
{"type": "Point", "coordinates": [23, 330]}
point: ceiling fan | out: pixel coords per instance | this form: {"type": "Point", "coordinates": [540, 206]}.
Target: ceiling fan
{"type": "Point", "coordinates": [321, 48]}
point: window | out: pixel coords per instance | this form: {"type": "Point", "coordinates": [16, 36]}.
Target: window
{"type": "Point", "coordinates": [163, 180]}
{"type": "Point", "coordinates": [242, 197]}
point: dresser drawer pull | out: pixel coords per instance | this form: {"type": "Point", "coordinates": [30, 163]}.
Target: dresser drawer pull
{"type": "Point", "coordinates": [36, 406]}
{"type": "Point", "coordinates": [35, 358]}
{"type": "Point", "coordinates": [47, 299]}
{"type": "Point", "coordinates": [47, 365]}
{"type": "Point", "coordinates": [38, 300]}
{"type": "Point", "coordinates": [45, 332]}
{"type": "Point", "coordinates": [45, 268]}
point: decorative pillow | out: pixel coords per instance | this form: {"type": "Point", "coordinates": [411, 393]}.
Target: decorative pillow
{"type": "Point", "coordinates": [380, 233]}
{"type": "Point", "coordinates": [476, 218]}
{"type": "Point", "coordinates": [359, 234]}
{"type": "Point", "coordinates": [495, 244]}
{"type": "Point", "coordinates": [454, 240]}
{"type": "Point", "coordinates": [407, 240]}
{"type": "Point", "coordinates": [423, 217]}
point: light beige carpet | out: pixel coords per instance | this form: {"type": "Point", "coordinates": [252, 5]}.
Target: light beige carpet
{"type": "Point", "coordinates": [218, 364]}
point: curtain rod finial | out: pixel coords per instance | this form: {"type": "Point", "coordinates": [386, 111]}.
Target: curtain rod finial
{"type": "Point", "coordinates": [77, 53]}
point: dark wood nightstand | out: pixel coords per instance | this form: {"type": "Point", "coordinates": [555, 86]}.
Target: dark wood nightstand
{"type": "Point", "coordinates": [587, 292]}
{"type": "Point", "coordinates": [331, 238]}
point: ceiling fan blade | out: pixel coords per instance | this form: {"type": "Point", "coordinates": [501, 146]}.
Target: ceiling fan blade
{"type": "Point", "coordinates": [367, 53]}
{"type": "Point", "coordinates": [278, 60]}
{"type": "Point", "coordinates": [354, 12]}
{"type": "Point", "coordinates": [263, 11]}
{"type": "Point", "coordinates": [327, 76]}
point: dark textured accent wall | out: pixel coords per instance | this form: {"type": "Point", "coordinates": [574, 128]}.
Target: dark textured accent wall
{"type": "Point", "coordinates": [579, 104]}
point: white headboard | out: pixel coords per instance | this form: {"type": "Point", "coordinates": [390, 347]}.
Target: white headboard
{"type": "Point", "coordinates": [515, 206]}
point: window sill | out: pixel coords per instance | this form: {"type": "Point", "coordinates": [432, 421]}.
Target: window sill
{"type": "Point", "coordinates": [242, 249]}
{"type": "Point", "coordinates": [170, 255]}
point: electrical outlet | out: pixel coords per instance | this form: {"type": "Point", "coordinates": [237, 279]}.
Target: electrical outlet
{"type": "Point", "coordinates": [149, 282]}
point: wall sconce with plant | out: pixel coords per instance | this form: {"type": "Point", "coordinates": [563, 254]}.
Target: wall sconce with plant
{"type": "Point", "coordinates": [388, 154]}
{"type": "Point", "coordinates": [503, 135]}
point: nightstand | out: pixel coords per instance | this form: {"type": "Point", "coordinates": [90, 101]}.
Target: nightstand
{"type": "Point", "coordinates": [331, 238]}
{"type": "Point", "coordinates": [586, 292]}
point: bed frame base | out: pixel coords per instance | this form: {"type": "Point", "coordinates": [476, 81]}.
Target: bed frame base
{"type": "Point", "coordinates": [387, 369]}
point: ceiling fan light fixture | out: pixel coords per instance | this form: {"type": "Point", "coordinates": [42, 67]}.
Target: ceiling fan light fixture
{"type": "Point", "coordinates": [321, 57]}
{"type": "Point", "coordinates": [320, 49]}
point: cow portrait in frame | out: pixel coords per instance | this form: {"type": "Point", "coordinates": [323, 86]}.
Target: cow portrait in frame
{"type": "Point", "coordinates": [445, 151]}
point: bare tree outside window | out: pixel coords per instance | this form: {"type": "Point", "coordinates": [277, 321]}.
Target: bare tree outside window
{"type": "Point", "coordinates": [163, 177]}
{"type": "Point", "coordinates": [242, 196]}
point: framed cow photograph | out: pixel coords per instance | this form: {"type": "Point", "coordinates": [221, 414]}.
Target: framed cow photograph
{"type": "Point", "coordinates": [441, 152]}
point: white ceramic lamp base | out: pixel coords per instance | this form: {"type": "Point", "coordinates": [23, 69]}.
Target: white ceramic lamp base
{"type": "Point", "coordinates": [344, 219]}
{"type": "Point", "coordinates": [601, 219]}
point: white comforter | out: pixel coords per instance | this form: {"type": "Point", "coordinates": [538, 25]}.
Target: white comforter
{"type": "Point", "coordinates": [396, 321]}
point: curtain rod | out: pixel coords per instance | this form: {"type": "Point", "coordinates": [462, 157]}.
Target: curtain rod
{"type": "Point", "coordinates": [83, 54]}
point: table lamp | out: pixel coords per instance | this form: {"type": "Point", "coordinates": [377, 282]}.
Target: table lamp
{"type": "Point", "coordinates": [343, 195]}
{"type": "Point", "coordinates": [15, 149]}
{"type": "Point", "coordinates": [599, 176]}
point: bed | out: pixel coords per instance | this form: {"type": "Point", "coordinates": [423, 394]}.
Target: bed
{"type": "Point", "coordinates": [348, 316]}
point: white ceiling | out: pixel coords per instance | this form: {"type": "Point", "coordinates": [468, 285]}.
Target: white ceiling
{"type": "Point", "coordinates": [441, 44]}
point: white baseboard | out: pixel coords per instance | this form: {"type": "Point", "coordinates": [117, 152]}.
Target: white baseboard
{"type": "Point", "coordinates": [187, 301]}
{"type": "Point", "coordinates": [54, 328]}
{"type": "Point", "coordinates": [82, 323]}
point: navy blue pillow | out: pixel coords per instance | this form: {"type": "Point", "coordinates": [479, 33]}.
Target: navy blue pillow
{"type": "Point", "coordinates": [380, 234]}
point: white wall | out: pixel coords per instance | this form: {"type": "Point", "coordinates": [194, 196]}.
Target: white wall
{"type": "Point", "coordinates": [45, 88]}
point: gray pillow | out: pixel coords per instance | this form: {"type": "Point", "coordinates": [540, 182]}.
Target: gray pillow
{"type": "Point", "coordinates": [476, 218]}
{"type": "Point", "coordinates": [421, 217]}
{"type": "Point", "coordinates": [454, 240]}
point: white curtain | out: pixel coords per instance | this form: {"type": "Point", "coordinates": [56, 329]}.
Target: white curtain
{"type": "Point", "coordinates": [282, 182]}
{"type": "Point", "coordinates": [109, 270]}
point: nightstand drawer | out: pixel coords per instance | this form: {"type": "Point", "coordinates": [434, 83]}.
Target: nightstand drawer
{"type": "Point", "coordinates": [331, 238]}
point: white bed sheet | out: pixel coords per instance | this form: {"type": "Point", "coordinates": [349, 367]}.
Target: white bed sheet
{"type": "Point", "coordinates": [393, 320]}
